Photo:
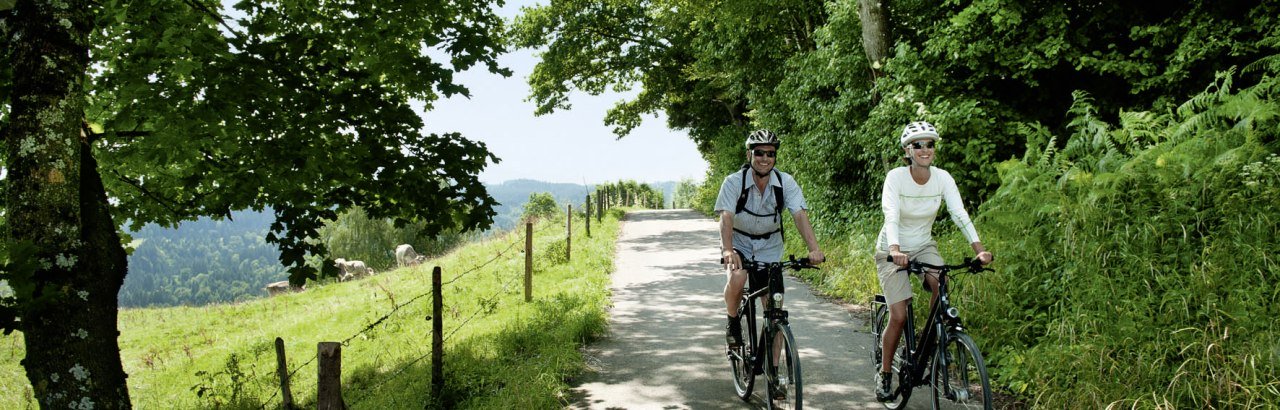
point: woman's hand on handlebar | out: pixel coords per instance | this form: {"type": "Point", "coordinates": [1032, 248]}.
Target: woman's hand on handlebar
{"type": "Point", "coordinates": [985, 257]}
{"type": "Point", "coordinates": [898, 257]}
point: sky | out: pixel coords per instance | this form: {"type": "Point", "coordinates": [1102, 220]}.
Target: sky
{"type": "Point", "coordinates": [572, 146]}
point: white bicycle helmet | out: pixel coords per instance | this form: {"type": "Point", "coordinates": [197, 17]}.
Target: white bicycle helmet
{"type": "Point", "coordinates": [762, 137]}
{"type": "Point", "coordinates": [916, 131]}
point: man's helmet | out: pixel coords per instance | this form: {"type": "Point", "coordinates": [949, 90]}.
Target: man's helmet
{"type": "Point", "coordinates": [916, 131]}
{"type": "Point", "coordinates": [762, 137]}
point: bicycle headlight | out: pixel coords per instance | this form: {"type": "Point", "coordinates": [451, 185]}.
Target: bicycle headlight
{"type": "Point", "coordinates": [953, 313]}
{"type": "Point", "coordinates": [777, 300]}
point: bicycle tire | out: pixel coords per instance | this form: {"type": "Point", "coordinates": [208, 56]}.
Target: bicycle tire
{"type": "Point", "coordinates": [880, 321]}
{"type": "Point", "coordinates": [744, 377]}
{"type": "Point", "coordinates": [788, 376]}
{"type": "Point", "coordinates": [960, 379]}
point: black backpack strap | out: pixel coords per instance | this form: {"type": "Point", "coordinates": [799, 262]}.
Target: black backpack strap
{"type": "Point", "coordinates": [742, 196]}
{"type": "Point", "coordinates": [777, 196]}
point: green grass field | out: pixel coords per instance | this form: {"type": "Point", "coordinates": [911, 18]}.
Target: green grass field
{"type": "Point", "coordinates": [500, 352]}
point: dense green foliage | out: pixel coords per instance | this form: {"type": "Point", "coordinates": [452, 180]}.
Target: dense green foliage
{"type": "Point", "coordinates": [202, 262]}
{"type": "Point", "coordinates": [1113, 168]}
{"type": "Point", "coordinates": [500, 352]}
{"type": "Point", "coordinates": [1143, 265]}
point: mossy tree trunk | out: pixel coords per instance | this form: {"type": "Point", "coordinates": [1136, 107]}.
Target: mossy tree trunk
{"type": "Point", "coordinates": [56, 203]}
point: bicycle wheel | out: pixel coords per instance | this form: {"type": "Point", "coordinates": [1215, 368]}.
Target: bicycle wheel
{"type": "Point", "coordinates": [880, 322]}
{"type": "Point", "coordinates": [960, 375]}
{"type": "Point", "coordinates": [740, 359]}
{"type": "Point", "coordinates": [784, 380]}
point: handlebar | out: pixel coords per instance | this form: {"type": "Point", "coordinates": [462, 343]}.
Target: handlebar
{"type": "Point", "coordinates": [791, 262]}
{"type": "Point", "coordinates": [972, 266]}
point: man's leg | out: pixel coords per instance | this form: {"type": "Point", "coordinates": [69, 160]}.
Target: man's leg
{"type": "Point", "coordinates": [732, 294]}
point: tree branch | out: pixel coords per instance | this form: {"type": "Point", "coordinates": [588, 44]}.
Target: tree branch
{"type": "Point", "coordinates": [195, 4]}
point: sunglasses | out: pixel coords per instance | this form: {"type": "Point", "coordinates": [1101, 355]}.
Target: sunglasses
{"type": "Point", "coordinates": [763, 153]}
{"type": "Point", "coordinates": [920, 145]}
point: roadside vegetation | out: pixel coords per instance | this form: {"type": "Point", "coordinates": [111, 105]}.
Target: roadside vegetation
{"type": "Point", "coordinates": [500, 352]}
{"type": "Point", "coordinates": [1120, 160]}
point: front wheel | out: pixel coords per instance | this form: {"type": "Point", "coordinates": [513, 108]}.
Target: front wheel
{"type": "Point", "coordinates": [741, 359]}
{"type": "Point", "coordinates": [785, 384]}
{"type": "Point", "coordinates": [960, 375]}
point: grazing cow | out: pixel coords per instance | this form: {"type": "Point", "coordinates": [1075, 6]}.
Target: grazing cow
{"type": "Point", "coordinates": [406, 256]}
{"type": "Point", "coordinates": [349, 270]}
{"type": "Point", "coordinates": [276, 288]}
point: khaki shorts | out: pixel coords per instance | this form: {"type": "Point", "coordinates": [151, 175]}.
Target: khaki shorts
{"type": "Point", "coordinates": [894, 283]}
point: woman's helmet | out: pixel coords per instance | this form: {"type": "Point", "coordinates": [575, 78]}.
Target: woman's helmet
{"type": "Point", "coordinates": [762, 137]}
{"type": "Point", "coordinates": [918, 130]}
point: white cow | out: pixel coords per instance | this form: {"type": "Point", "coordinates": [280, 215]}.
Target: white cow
{"type": "Point", "coordinates": [406, 256]}
{"type": "Point", "coordinates": [276, 288]}
{"type": "Point", "coordinates": [349, 270]}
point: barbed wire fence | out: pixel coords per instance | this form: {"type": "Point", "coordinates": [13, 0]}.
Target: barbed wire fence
{"type": "Point", "coordinates": [486, 305]}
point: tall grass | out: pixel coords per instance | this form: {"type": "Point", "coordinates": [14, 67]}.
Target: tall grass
{"type": "Point", "coordinates": [500, 352]}
{"type": "Point", "coordinates": [1136, 261]}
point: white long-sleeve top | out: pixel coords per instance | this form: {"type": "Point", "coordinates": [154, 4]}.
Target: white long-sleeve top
{"type": "Point", "coordinates": [910, 209]}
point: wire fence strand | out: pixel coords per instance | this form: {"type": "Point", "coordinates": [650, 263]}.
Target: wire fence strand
{"type": "Point", "coordinates": [483, 303]}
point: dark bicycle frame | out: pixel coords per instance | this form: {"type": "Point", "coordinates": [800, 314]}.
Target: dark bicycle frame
{"type": "Point", "coordinates": [941, 321]}
{"type": "Point", "coordinates": [771, 313]}
{"type": "Point", "coordinates": [764, 339]}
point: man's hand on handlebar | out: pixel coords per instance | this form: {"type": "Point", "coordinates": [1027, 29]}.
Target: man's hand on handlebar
{"type": "Point", "coordinates": [816, 257]}
{"type": "Point", "coordinates": [731, 260]}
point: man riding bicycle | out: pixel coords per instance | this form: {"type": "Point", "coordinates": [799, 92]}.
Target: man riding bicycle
{"type": "Point", "coordinates": [750, 207]}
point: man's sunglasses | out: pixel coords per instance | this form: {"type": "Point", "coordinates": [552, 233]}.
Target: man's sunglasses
{"type": "Point", "coordinates": [763, 153]}
{"type": "Point", "coordinates": [919, 145]}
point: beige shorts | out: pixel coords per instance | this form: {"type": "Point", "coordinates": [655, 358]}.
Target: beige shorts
{"type": "Point", "coordinates": [894, 283]}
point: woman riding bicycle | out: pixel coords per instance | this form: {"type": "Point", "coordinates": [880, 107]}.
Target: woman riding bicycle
{"type": "Point", "coordinates": [910, 199]}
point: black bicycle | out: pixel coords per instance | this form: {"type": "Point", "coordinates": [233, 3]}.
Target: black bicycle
{"type": "Point", "coordinates": [956, 372]}
{"type": "Point", "coordinates": [781, 368]}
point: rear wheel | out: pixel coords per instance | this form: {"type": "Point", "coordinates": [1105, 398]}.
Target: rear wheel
{"type": "Point", "coordinates": [880, 322]}
{"type": "Point", "coordinates": [744, 377]}
{"type": "Point", "coordinates": [785, 383]}
{"type": "Point", "coordinates": [960, 375]}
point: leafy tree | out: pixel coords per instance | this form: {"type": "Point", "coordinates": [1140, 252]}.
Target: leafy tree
{"type": "Point", "coordinates": [685, 194]}
{"type": "Point", "coordinates": [173, 111]}
{"type": "Point", "coordinates": [540, 205]}
{"type": "Point", "coordinates": [356, 236]}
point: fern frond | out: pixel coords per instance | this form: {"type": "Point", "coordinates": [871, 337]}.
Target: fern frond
{"type": "Point", "coordinates": [1212, 94]}
{"type": "Point", "coordinates": [1266, 65]}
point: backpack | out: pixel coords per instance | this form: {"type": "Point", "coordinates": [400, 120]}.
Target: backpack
{"type": "Point", "coordinates": [777, 212]}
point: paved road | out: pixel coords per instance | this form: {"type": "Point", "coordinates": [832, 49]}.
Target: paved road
{"type": "Point", "coordinates": [666, 347]}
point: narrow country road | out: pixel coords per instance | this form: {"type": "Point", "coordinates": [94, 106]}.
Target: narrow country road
{"type": "Point", "coordinates": [665, 349]}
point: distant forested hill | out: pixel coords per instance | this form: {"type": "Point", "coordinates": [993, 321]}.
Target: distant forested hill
{"type": "Point", "coordinates": [208, 261]}
{"type": "Point", "coordinates": [202, 262]}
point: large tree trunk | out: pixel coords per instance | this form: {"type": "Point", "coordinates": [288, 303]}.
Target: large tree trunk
{"type": "Point", "coordinates": [56, 202]}
{"type": "Point", "coordinates": [875, 34]}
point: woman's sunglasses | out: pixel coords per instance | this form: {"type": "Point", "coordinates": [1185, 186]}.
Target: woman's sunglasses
{"type": "Point", "coordinates": [763, 153]}
{"type": "Point", "coordinates": [920, 145]}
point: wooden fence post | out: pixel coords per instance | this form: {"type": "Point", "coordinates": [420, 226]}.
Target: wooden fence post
{"type": "Point", "coordinates": [329, 391]}
{"type": "Point", "coordinates": [568, 233]}
{"type": "Point", "coordinates": [586, 206]}
{"type": "Point", "coordinates": [437, 338]}
{"type": "Point", "coordinates": [283, 371]}
{"type": "Point", "coordinates": [599, 207]}
{"type": "Point", "coordinates": [528, 261]}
